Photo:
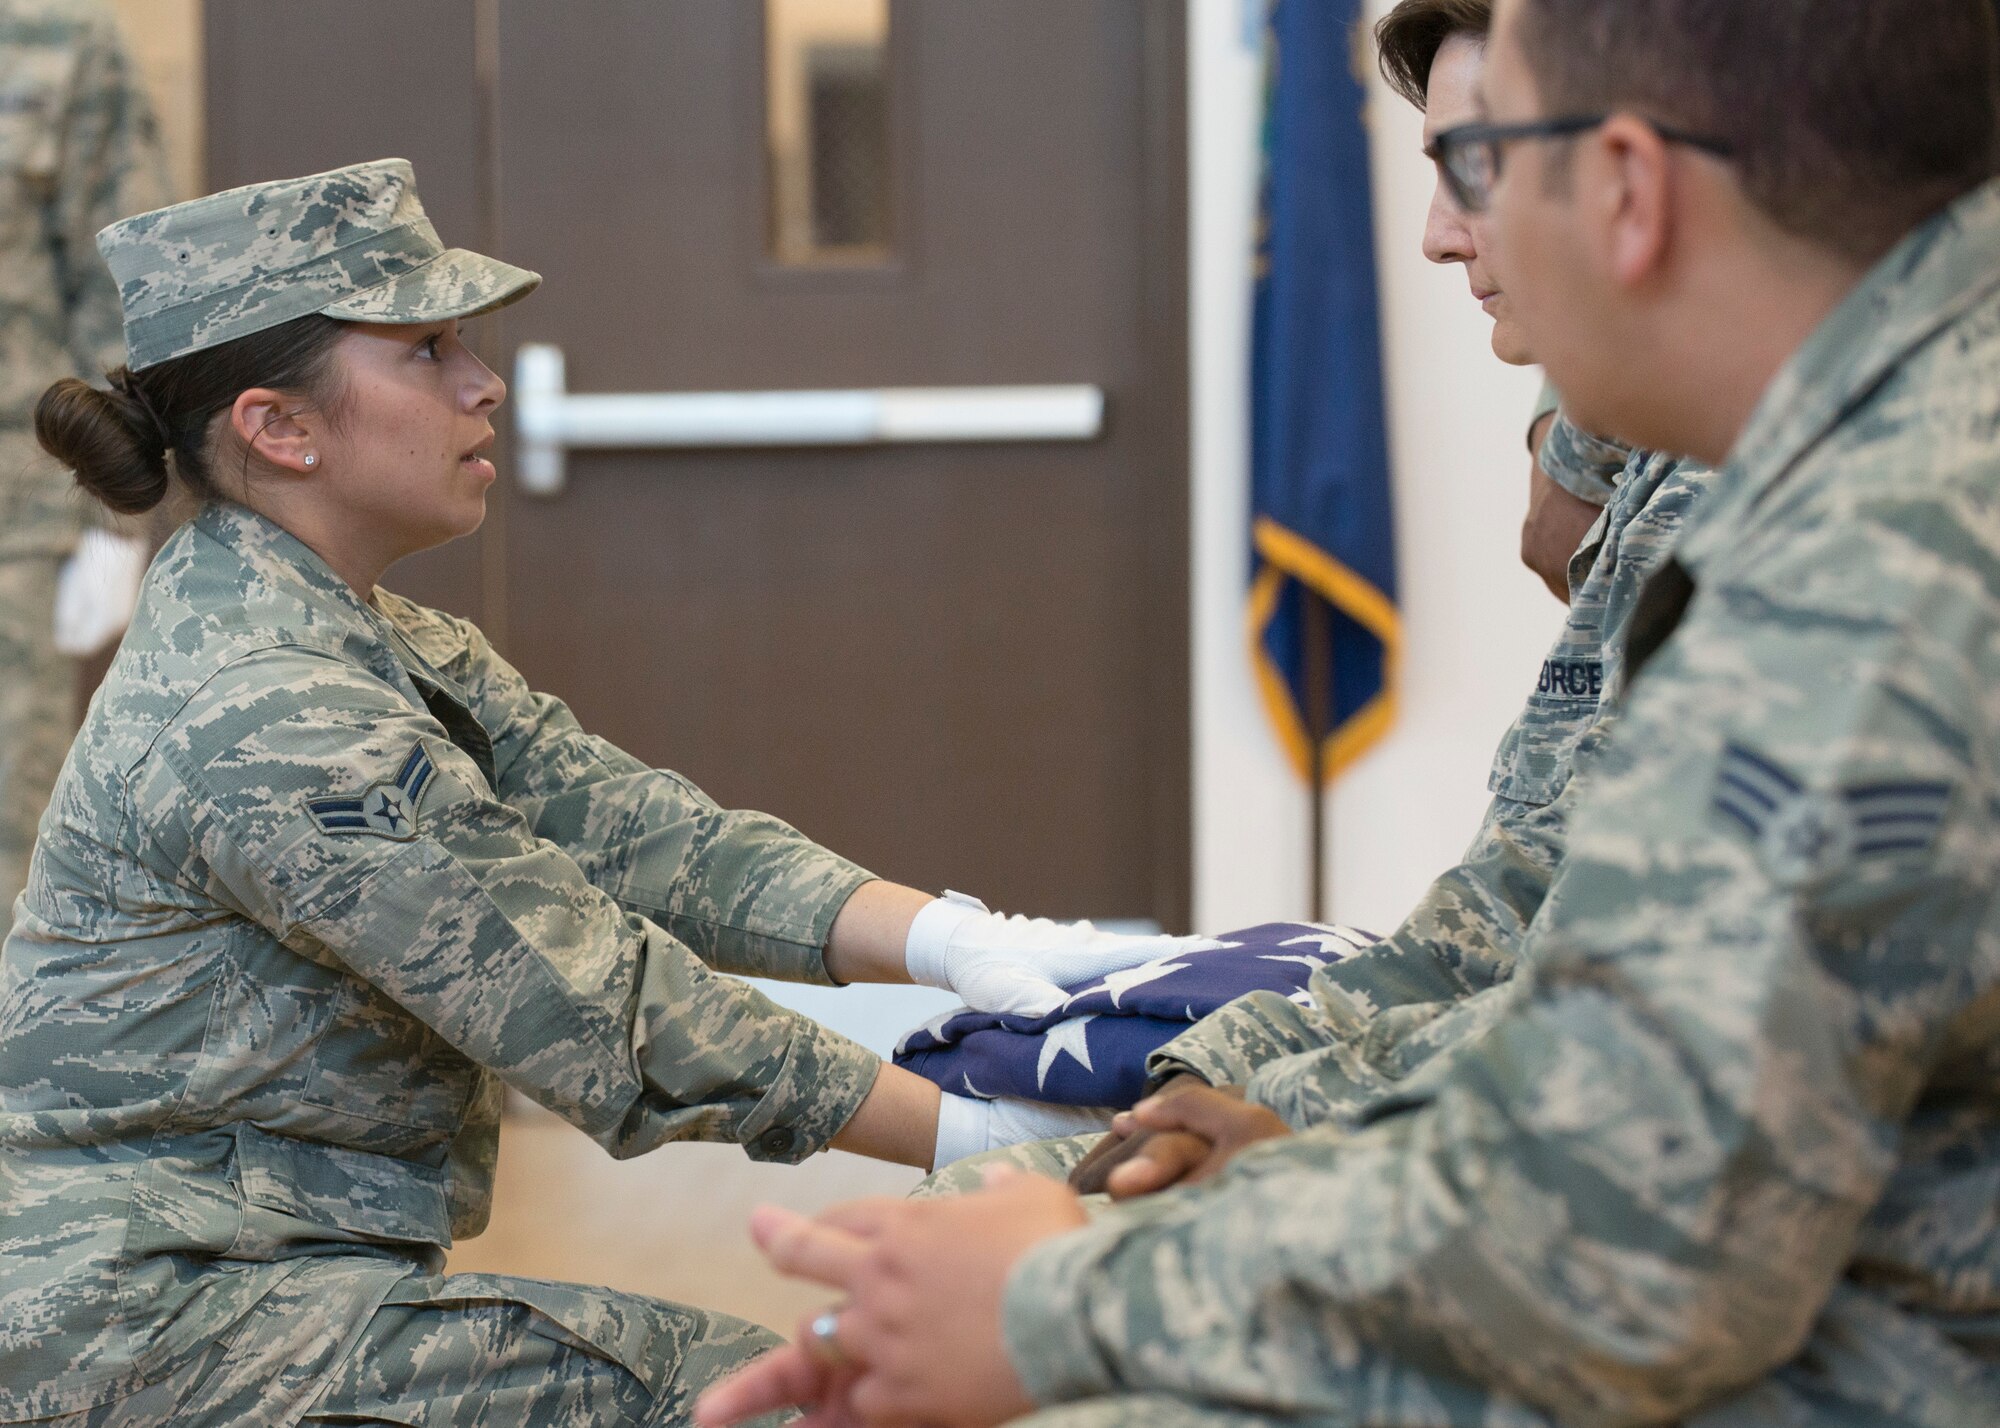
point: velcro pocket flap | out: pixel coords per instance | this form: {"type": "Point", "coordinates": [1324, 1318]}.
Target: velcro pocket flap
{"type": "Point", "coordinates": [320, 1192]}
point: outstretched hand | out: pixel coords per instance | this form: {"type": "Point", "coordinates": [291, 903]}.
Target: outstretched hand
{"type": "Point", "coordinates": [1022, 966]}
{"type": "Point", "coordinates": [1180, 1136]}
{"type": "Point", "coordinates": [919, 1337]}
{"type": "Point", "coordinates": [1123, 1141]}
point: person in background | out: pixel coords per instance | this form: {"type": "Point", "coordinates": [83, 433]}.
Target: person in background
{"type": "Point", "coordinates": [80, 147]}
{"type": "Point", "coordinates": [321, 874]}
{"type": "Point", "coordinates": [1725, 1153]}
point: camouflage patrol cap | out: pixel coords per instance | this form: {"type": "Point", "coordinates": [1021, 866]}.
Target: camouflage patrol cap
{"type": "Point", "coordinates": [352, 243]}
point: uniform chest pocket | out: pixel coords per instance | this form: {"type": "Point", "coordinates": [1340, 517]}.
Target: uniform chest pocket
{"type": "Point", "coordinates": [1533, 762]}
{"type": "Point", "coordinates": [378, 1063]}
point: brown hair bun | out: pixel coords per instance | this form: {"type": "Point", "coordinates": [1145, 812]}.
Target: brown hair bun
{"type": "Point", "coordinates": [112, 440]}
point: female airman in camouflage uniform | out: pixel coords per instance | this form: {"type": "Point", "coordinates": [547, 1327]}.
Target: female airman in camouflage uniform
{"type": "Point", "coordinates": [322, 872]}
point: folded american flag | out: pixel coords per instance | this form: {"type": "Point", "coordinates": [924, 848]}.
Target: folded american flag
{"type": "Point", "coordinates": [1092, 1050]}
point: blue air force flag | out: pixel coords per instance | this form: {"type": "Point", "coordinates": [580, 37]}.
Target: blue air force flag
{"type": "Point", "coordinates": [1321, 525]}
{"type": "Point", "coordinates": [1092, 1050]}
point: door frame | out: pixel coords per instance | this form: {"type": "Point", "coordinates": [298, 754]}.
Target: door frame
{"type": "Point", "coordinates": [1163, 411]}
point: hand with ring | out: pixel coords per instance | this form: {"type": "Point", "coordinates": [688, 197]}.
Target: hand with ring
{"type": "Point", "coordinates": [919, 1338]}
{"type": "Point", "coordinates": [815, 1372]}
{"type": "Point", "coordinates": [822, 1339]}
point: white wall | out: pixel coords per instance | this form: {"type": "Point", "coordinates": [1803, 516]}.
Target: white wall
{"type": "Point", "coordinates": [1476, 622]}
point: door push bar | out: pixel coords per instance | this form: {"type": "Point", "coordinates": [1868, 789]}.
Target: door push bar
{"type": "Point", "coordinates": [549, 420]}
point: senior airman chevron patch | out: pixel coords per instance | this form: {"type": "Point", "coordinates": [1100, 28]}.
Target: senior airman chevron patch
{"type": "Point", "coordinates": [1804, 834]}
{"type": "Point", "coordinates": [386, 810]}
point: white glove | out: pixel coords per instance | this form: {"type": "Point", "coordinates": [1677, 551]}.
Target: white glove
{"type": "Point", "coordinates": [967, 1126]}
{"type": "Point", "coordinates": [1020, 965]}
{"type": "Point", "coordinates": [97, 590]}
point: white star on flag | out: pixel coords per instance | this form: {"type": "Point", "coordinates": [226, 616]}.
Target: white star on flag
{"type": "Point", "coordinates": [1331, 943]}
{"type": "Point", "coordinates": [1119, 983]}
{"type": "Point", "coordinates": [934, 1028]}
{"type": "Point", "coordinates": [1313, 962]}
{"type": "Point", "coordinates": [1064, 1039]}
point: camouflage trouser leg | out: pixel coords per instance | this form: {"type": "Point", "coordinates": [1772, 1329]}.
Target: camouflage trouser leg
{"type": "Point", "coordinates": [488, 1351]}
{"type": "Point", "coordinates": [37, 713]}
{"type": "Point", "coordinates": [1052, 1158]}
{"type": "Point", "coordinates": [443, 1351]}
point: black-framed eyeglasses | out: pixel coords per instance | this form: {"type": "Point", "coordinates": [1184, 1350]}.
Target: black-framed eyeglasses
{"type": "Point", "coordinates": [1469, 155]}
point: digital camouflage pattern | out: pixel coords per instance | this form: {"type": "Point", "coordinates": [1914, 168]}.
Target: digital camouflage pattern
{"type": "Point", "coordinates": [245, 1052]}
{"type": "Point", "coordinates": [1580, 465]}
{"type": "Point", "coordinates": [1052, 1159]}
{"type": "Point", "coordinates": [1586, 466]}
{"type": "Point", "coordinates": [37, 695]}
{"type": "Point", "coordinates": [1377, 1014]}
{"type": "Point", "coordinates": [1727, 1153]}
{"type": "Point", "coordinates": [351, 243]}
{"type": "Point", "coordinates": [79, 147]}
{"type": "Point", "coordinates": [470, 1351]}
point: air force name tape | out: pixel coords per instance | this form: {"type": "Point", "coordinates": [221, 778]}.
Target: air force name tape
{"type": "Point", "coordinates": [1803, 835]}
{"type": "Point", "coordinates": [385, 810]}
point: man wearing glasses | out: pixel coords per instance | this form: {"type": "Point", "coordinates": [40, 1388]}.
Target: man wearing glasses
{"type": "Point", "coordinates": [1728, 1155]}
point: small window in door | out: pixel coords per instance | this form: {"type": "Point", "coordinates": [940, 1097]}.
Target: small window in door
{"type": "Point", "coordinates": [827, 127]}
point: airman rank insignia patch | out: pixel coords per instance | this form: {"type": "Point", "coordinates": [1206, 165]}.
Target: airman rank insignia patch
{"type": "Point", "coordinates": [386, 810]}
{"type": "Point", "coordinates": [1802, 835]}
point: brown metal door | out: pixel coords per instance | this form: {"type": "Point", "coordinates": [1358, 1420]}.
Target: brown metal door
{"type": "Point", "coordinates": [961, 664]}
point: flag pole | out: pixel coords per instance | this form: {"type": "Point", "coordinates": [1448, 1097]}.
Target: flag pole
{"type": "Point", "coordinates": [1316, 631]}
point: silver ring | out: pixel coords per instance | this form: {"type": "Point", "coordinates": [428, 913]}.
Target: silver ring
{"type": "Point", "coordinates": [823, 1339]}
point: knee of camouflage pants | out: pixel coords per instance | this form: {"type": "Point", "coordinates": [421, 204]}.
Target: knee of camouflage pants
{"type": "Point", "coordinates": [37, 709]}
{"type": "Point", "coordinates": [1054, 1159]}
{"type": "Point", "coordinates": [476, 1350]}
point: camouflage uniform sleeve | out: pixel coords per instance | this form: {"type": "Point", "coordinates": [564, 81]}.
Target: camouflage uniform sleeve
{"type": "Point", "coordinates": [111, 167]}
{"type": "Point", "coordinates": [1308, 1062]}
{"type": "Point", "coordinates": [1586, 466]}
{"type": "Point", "coordinates": [746, 891]}
{"type": "Point", "coordinates": [1226, 1047]}
{"type": "Point", "coordinates": [1636, 1189]}
{"type": "Point", "coordinates": [305, 795]}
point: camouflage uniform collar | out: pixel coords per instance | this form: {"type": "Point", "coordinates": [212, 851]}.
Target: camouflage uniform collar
{"type": "Point", "coordinates": [285, 563]}
{"type": "Point", "coordinates": [1930, 280]}
{"type": "Point", "coordinates": [276, 554]}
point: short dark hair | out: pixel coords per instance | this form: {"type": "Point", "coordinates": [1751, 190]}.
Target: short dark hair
{"type": "Point", "coordinates": [1408, 39]}
{"type": "Point", "coordinates": [1848, 123]}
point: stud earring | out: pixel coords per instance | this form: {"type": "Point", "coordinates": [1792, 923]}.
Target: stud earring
{"type": "Point", "coordinates": [311, 460]}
